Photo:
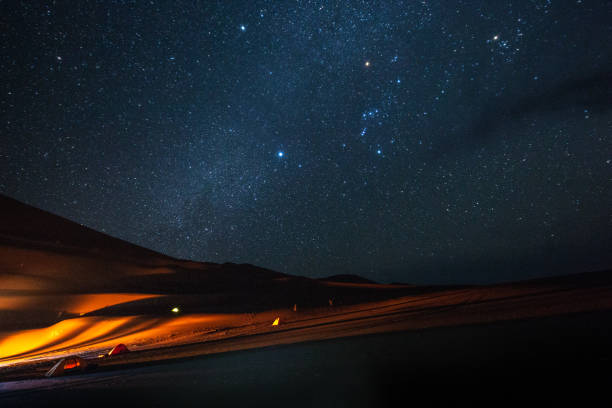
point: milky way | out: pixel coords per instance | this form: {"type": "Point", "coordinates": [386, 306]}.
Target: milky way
{"type": "Point", "coordinates": [415, 141]}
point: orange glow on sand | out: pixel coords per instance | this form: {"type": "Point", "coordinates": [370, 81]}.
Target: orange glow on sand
{"type": "Point", "coordinates": [97, 332]}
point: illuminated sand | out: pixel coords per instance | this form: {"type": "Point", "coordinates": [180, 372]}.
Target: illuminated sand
{"type": "Point", "coordinates": [68, 289]}
{"type": "Point", "coordinates": [236, 331]}
{"type": "Point", "coordinates": [506, 342]}
{"type": "Point", "coordinates": [65, 289]}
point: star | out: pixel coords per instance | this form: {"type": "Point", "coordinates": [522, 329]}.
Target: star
{"type": "Point", "coordinates": [218, 107]}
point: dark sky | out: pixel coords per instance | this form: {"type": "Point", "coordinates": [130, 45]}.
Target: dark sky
{"type": "Point", "coordinates": [414, 141]}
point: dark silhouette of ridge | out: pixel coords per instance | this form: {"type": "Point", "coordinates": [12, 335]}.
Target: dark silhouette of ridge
{"type": "Point", "coordinates": [347, 278]}
{"type": "Point", "coordinates": [28, 226]}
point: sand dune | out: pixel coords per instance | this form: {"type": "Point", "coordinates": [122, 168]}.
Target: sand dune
{"type": "Point", "coordinates": [65, 289]}
{"type": "Point", "coordinates": [449, 307]}
{"type": "Point", "coordinates": [85, 334]}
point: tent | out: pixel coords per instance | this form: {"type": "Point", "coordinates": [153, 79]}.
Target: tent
{"type": "Point", "coordinates": [67, 365]}
{"type": "Point", "coordinates": [118, 349]}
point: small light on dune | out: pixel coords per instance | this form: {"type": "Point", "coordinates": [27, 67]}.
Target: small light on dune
{"type": "Point", "coordinates": [175, 310]}
{"type": "Point", "coordinates": [276, 321]}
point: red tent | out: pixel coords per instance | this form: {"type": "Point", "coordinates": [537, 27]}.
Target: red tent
{"type": "Point", "coordinates": [118, 349]}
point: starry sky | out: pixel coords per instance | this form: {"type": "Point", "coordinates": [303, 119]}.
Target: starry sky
{"type": "Point", "coordinates": [413, 141]}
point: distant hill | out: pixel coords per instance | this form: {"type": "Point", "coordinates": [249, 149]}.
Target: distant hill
{"type": "Point", "coordinates": [347, 278]}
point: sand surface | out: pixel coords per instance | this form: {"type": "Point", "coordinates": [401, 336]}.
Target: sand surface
{"type": "Point", "coordinates": [68, 290]}
{"type": "Point", "coordinates": [552, 361]}
{"type": "Point", "coordinates": [206, 333]}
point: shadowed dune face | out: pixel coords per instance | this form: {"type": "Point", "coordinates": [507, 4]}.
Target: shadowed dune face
{"type": "Point", "coordinates": [72, 304]}
{"type": "Point", "coordinates": [29, 269]}
{"type": "Point", "coordinates": [25, 310]}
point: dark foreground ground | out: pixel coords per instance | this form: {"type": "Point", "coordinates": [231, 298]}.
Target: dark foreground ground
{"type": "Point", "coordinates": [555, 361]}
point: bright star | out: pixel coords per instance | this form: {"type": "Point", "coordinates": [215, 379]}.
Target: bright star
{"type": "Point", "coordinates": [280, 154]}
{"type": "Point", "coordinates": [495, 37]}
{"type": "Point", "coordinates": [379, 151]}
{"type": "Point", "coordinates": [243, 28]}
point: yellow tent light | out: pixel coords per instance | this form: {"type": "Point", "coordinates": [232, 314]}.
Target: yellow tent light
{"type": "Point", "coordinates": [276, 322]}
{"type": "Point", "coordinates": [175, 310]}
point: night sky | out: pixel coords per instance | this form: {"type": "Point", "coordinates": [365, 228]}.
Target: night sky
{"type": "Point", "coordinates": [414, 141]}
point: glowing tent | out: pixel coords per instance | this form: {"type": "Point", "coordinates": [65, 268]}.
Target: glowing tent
{"type": "Point", "coordinates": [67, 365]}
{"type": "Point", "coordinates": [118, 349]}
